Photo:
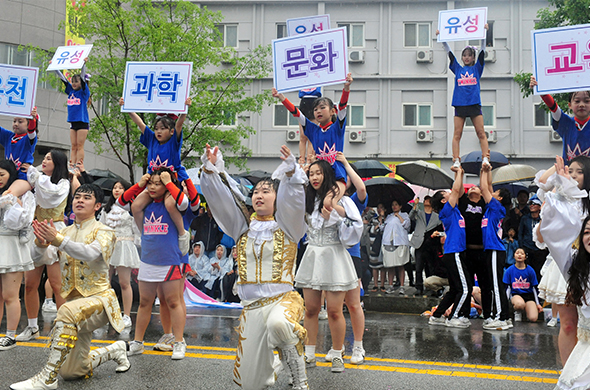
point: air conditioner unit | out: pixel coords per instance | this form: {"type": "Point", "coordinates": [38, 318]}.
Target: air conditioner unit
{"type": "Point", "coordinates": [424, 136]}
{"type": "Point", "coordinates": [554, 136]}
{"type": "Point", "coordinates": [357, 136]}
{"type": "Point", "coordinates": [490, 55]}
{"type": "Point", "coordinates": [424, 55]}
{"type": "Point", "coordinates": [292, 135]}
{"type": "Point", "coordinates": [356, 56]}
{"type": "Point", "coordinates": [492, 136]}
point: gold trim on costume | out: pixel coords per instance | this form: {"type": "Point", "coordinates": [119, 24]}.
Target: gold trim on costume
{"type": "Point", "coordinates": [262, 218]}
{"type": "Point", "coordinates": [56, 213]}
{"type": "Point", "coordinates": [293, 304]}
{"type": "Point", "coordinates": [278, 256]}
{"type": "Point", "coordinates": [59, 238]}
{"type": "Point", "coordinates": [242, 261]}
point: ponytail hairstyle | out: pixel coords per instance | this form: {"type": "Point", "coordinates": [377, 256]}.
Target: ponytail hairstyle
{"type": "Point", "coordinates": [60, 166]}
{"type": "Point", "coordinates": [328, 185]}
{"type": "Point", "coordinates": [506, 198]}
{"type": "Point", "coordinates": [328, 102]}
{"type": "Point", "coordinates": [584, 162]}
{"type": "Point", "coordinates": [579, 272]}
{"type": "Point", "coordinates": [9, 167]}
{"type": "Point", "coordinates": [436, 201]}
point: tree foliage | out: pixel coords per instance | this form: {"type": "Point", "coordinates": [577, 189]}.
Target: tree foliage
{"type": "Point", "coordinates": [144, 30]}
{"type": "Point", "coordinates": [559, 13]}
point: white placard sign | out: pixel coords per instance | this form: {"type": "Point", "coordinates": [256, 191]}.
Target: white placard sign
{"type": "Point", "coordinates": [310, 60]}
{"type": "Point", "coordinates": [308, 25]}
{"type": "Point", "coordinates": [18, 88]}
{"type": "Point", "coordinates": [157, 87]}
{"type": "Point", "coordinates": [462, 24]}
{"type": "Point", "coordinates": [561, 59]}
{"type": "Point", "coordinates": [69, 57]}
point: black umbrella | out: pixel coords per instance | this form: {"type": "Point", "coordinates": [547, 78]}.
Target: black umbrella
{"type": "Point", "coordinates": [424, 174]}
{"type": "Point", "coordinates": [370, 168]}
{"type": "Point", "coordinates": [254, 176]}
{"type": "Point", "coordinates": [96, 173]}
{"type": "Point", "coordinates": [386, 189]}
{"type": "Point", "coordinates": [107, 183]}
{"type": "Point", "coordinates": [471, 162]}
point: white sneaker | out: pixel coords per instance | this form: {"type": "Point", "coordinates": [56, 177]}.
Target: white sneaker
{"type": "Point", "coordinates": [457, 164]}
{"type": "Point", "coordinates": [552, 322]}
{"type": "Point", "coordinates": [509, 322]}
{"type": "Point", "coordinates": [337, 364]}
{"type": "Point", "coordinates": [496, 325]}
{"type": "Point", "coordinates": [437, 321]}
{"type": "Point", "coordinates": [358, 355]}
{"type": "Point", "coordinates": [465, 321]}
{"type": "Point", "coordinates": [49, 307]}
{"type": "Point", "coordinates": [331, 353]}
{"type": "Point", "coordinates": [135, 348]}
{"type": "Point", "coordinates": [456, 323]}
{"type": "Point", "coordinates": [309, 361]}
{"type": "Point", "coordinates": [485, 160]}
{"type": "Point", "coordinates": [28, 334]}
{"type": "Point", "coordinates": [179, 350]}
{"type": "Point", "coordinates": [487, 321]}
{"type": "Point", "coordinates": [517, 316]}
{"type": "Point", "coordinates": [323, 315]}
{"type": "Point", "coordinates": [165, 343]}
{"type": "Point", "coordinates": [7, 343]}
{"type": "Point", "coordinates": [127, 321]}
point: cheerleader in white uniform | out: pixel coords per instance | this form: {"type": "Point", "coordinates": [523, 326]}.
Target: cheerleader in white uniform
{"type": "Point", "coordinates": [51, 187]}
{"type": "Point", "coordinates": [125, 256]}
{"type": "Point", "coordinates": [15, 214]}
{"type": "Point", "coordinates": [567, 235]}
{"type": "Point", "coordinates": [326, 264]}
{"type": "Point", "coordinates": [267, 248]}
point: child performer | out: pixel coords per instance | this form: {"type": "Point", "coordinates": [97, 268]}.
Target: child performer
{"type": "Point", "coordinates": [466, 97]}
{"type": "Point", "coordinates": [51, 194]}
{"type": "Point", "coordinates": [307, 100]}
{"type": "Point", "coordinates": [15, 214]}
{"type": "Point", "coordinates": [160, 257]}
{"type": "Point", "coordinates": [573, 131]}
{"type": "Point", "coordinates": [78, 96]}
{"type": "Point", "coordinates": [164, 145]}
{"type": "Point", "coordinates": [267, 247]}
{"type": "Point", "coordinates": [19, 146]}
{"type": "Point", "coordinates": [327, 136]}
{"type": "Point", "coordinates": [446, 205]}
{"type": "Point", "coordinates": [494, 250]}
{"type": "Point", "coordinates": [521, 280]}
{"type": "Point", "coordinates": [125, 257]}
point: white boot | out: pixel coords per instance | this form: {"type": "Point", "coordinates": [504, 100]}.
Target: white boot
{"type": "Point", "coordinates": [64, 338]}
{"type": "Point", "coordinates": [292, 359]}
{"type": "Point", "coordinates": [116, 351]}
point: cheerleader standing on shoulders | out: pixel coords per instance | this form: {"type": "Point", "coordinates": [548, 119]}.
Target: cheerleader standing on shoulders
{"type": "Point", "coordinates": [160, 257]}
{"type": "Point", "coordinates": [567, 236]}
{"type": "Point", "coordinates": [326, 264]}
{"type": "Point", "coordinates": [267, 248]}
{"type": "Point", "coordinates": [15, 214]}
{"type": "Point", "coordinates": [51, 194]}
{"type": "Point", "coordinates": [125, 256]}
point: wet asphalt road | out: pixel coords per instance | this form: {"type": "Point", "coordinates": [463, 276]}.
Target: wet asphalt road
{"type": "Point", "coordinates": [403, 352]}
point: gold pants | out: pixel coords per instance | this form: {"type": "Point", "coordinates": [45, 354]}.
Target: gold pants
{"type": "Point", "coordinates": [87, 314]}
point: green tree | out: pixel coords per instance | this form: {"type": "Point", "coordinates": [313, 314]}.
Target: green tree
{"type": "Point", "coordinates": [559, 13]}
{"type": "Point", "coordinates": [144, 30]}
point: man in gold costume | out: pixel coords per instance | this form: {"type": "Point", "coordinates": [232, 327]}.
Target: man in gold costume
{"type": "Point", "coordinates": [84, 252]}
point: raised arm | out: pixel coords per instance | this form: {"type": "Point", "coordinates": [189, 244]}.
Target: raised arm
{"type": "Point", "coordinates": [290, 107]}
{"type": "Point", "coordinates": [182, 118]}
{"type": "Point", "coordinates": [135, 118]}
{"type": "Point", "coordinates": [485, 182]}
{"type": "Point", "coordinates": [357, 182]}
{"type": "Point", "coordinates": [457, 189]}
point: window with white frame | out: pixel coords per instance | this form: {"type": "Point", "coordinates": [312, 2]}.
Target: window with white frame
{"type": "Point", "coordinates": [356, 115]}
{"type": "Point", "coordinates": [542, 116]}
{"type": "Point", "coordinates": [229, 118]}
{"type": "Point", "coordinates": [417, 35]}
{"type": "Point", "coordinates": [228, 34]}
{"type": "Point", "coordinates": [11, 55]}
{"type": "Point", "coordinates": [489, 116]}
{"type": "Point", "coordinates": [489, 36]}
{"type": "Point", "coordinates": [283, 118]}
{"type": "Point", "coordinates": [281, 30]}
{"type": "Point", "coordinates": [417, 114]}
{"type": "Point", "coordinates": [355, 34]}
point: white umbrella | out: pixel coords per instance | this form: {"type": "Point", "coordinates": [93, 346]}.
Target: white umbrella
{"type": "Point", "coordinates": [513, 172]}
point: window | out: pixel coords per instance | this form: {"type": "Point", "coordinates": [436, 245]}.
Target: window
{"type": "Point", "coordinates": [229, 118]}
{"type": "Point", "coordinates": [416, 34]}
{"type": "Point", "coordinates": [10, 55]}
{"type": "Point", "coordinates": [284, 117]}
{"type": "Point", "coordinates": [356, 116]}
{"type": "Point", "coordinates": [489, 116]}
{"type": "Point", "coordinates": [417, 115]}
{"type": "Point", "coordinates": [355, 34]}
{"type": "Point", "coordinates": [489, 36]}
{"type": "Point", "coordinates": [281, 30]}
{"type": "Point", "coordinates": [542, 116]}
{"type": "Point", "coordinates": [228, 34]}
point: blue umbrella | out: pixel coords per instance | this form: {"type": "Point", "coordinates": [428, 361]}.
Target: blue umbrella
{"type": "Point", "coordinates": [471, 162]}
{"type": "Point", "coordinates": [514, 188]}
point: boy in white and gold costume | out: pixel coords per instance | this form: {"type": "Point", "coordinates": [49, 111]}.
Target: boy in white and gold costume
{"type": "Point", "coordinates": [267, 248]}
{"type": "Point", "coordinates": [84, 252]}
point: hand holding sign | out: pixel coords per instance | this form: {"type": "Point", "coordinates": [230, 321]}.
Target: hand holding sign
{"type": "Point", "coordinates": [69, 57]}
{"type": "Point", "coordinates": [462, 24]}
